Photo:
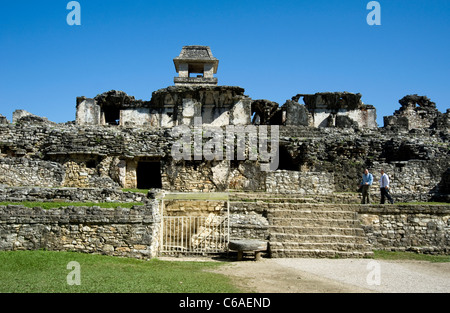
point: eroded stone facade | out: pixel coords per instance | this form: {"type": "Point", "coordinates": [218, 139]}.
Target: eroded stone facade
{"type": "Point", "coordinates": [324, 145]}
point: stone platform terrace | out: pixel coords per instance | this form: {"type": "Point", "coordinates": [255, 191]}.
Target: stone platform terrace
{"type": "Point", "coordinates": [338, 226]}
{"type": "Point", "coordinates": [293, 225]}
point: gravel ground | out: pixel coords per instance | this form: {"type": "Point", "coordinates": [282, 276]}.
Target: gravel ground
{"type": "Point", "coordinates": [377, 275]}
{"type": "Point", "coordinates": [339, 276]}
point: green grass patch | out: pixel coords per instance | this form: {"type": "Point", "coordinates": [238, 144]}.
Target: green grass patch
{"type": "Point", "coordinates": [46, 272]}
{"type": "Point", "coordinates": [197, 196]}
{"type": "Point", "coordinates": [55, 205]}
{"type": "Point", "coordinates": [398, 255]}
{"type": "Point", "coordinates": [136, 190]}
{"type": "Point", "coordinates": [421, 203]}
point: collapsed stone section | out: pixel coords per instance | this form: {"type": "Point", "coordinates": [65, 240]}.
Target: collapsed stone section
{"type": "Point", "coordinates": [326, 109]}
{"type": "Point", "coordinates": [340, 109]}
{"type": "Point", "coordinates": [265, 112]}
{"type": "Point", "coordinates": [417, 112]}
{"type": "Point", "coordinates": [22, 116]}
{"type": "Point", "coordinates": [3, 120]}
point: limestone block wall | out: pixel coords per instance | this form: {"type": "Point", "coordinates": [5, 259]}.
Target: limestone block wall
{"type": "Point", "coordinates": [417, 228]}
{"type": "Point", "coordinates": [108, 156]}
{"type": "Point", "coordinates": [135, 117]}
{"type": "Point", "coordinates": [86, 170]}
{"type": "Point", "coordinates": [88, 112]}
{"type": "Point", "coordinates": [193, 207]}
{"type": "Point", "coordinates": [26, 172]}
{"type": "Point", "coordinates": [363, 118]}
{"type": "Point", "coordinates": [409, 181]}
{"type": "Point", "coordinates": [68, 194]}
{"type": "Point", "coordinates": [118, 232]}
{"type": "Point", "coordinates": [248, 221]}
{"type": "Point", "coordinates": [282, 181]}
{"type": "Point", "coordinates": [187, 176]}
{"type": "Point", "coordinates": [135, 232]}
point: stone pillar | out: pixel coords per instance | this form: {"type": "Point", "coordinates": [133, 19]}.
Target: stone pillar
{"type": "Point", "coordinates": [208, 70]}
{"type": "Point", "coordinates": [191, 109]}
{"type": "Point", "coordinates": [88, 112]}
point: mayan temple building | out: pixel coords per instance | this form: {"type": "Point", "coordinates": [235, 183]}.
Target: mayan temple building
{"type": "Point", "coordinates": [222, 189]}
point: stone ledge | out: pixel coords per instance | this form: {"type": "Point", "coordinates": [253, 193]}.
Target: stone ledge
{"type": "Point", "coordinates": [439, 209]}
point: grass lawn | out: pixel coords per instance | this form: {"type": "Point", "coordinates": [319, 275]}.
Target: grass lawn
{"type": "Point", "coordinates": [421, 203]}
{"type": "Point", "coordinates": [136, 190]}
{"type": "Point", "coordinates": [220, 196]}
{"type": "Point", "coordinates": [395, 255]}
{"type": "Point", "coordinates": [46, 272]}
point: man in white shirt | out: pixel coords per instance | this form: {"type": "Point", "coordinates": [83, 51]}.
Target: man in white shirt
{"type": "Point", "coordinates": [384, 188]}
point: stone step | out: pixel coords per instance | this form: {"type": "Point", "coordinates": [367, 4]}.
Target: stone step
{"type": "Point", "coordinates": [300, 230]}
{"type": "Point", "coordinates": [309, 222]}
{"type": "Point", "coordinates": [312, 214]}
{"type": "Point", "coordinates": [305, 253]}
{"type": "Point", "coordinates": [309, 226]}
{"type": "Point", "coordinates": [289, 238]}
{"type": "Point", "coordinates": [276, 200]}
{"type": "Point", "coordinates": [349, 198]}
{"type": "Point", "coordinates": [335, 246]}
{"type": "Point", "coordinates": [261, 206]}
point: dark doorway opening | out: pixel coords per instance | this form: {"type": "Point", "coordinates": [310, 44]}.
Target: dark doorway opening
{"type": "Point", "coordinates": [112, 116]}
{"type": "Point", "coordinates": [286, 160]}
{"type": "Point", "coordinates": [148, 175]}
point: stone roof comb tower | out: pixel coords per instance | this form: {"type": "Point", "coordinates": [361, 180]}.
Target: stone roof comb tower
{"type": "Point", "coordinates": [196, 60]}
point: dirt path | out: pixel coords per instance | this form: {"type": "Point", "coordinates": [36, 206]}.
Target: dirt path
{"type": "Point", "coordinates": [268, 276]}
{"type": "Point", "coordinates": [336, 275]}
{"type": "Point", "coordinates": [339, 276]}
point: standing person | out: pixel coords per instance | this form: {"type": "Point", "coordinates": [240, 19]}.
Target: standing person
{"type": "Point", "coordinates": [367, 180]}
{"type": "Point", "coordinates": [384, 188]}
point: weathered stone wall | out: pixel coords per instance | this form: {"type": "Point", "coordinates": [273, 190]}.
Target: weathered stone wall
{"type": "Point", "coordinates": [168, 107]}
{"type": "Point", "coordinates": [87, 170]}
{"type": "Point", "coordinates": [194, 176]}
{"type": "Point", "coordinates": [424, 229]}
{"type": "Point", "coordinates": [108, 156]}
{"type": "Point", "coordinates": [416, 160]}
{"type": "Point", "coordinates": [409, 181]}
{"type": "Point", "coordinates": [193, 207]}
{"type": "Point", "coordinates": [308, 183]}
{"type": "Point", "coordinates": [248, 221]}
{"type": "Point", "coordinates": [340, 109]}
{"type": "Point", "coordinates": [118, 232]}
{"type": "Point", "coordinates": [26, 172]}
{"type": "Point", "coordinates": [135, 232]}
{"type": "Point", "coordinates": [42, 194]}
{"type": "Point", "coordinates": [417, 112]}
{"type": "Point", "coordinates": [138, 116]}
{"type": "Point", "coordinates": [419, 228]}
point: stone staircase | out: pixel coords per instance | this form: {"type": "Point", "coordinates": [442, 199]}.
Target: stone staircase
{"type": "Point", "coordinates": [310, 226]}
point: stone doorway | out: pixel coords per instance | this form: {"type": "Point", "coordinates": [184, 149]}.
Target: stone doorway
{"type": "Point", "coordinates": [148, 175]}
{"type": "Point", "coordinates": [112, 116]}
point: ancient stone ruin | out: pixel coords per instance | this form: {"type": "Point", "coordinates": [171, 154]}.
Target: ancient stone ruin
{"type": "Point", "coordinates": [308, 206]}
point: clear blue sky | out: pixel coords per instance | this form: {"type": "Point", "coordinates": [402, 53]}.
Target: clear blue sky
{"type": "Point", "coordinates": [273, 49]}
